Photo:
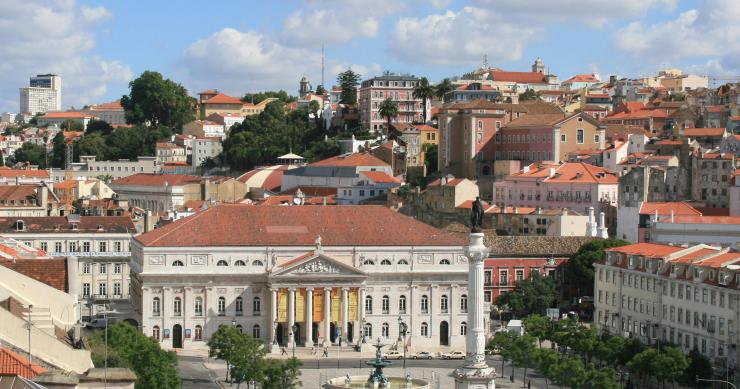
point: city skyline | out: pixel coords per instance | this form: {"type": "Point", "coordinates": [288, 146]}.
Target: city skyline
{"type": "Point", "coordinates": [239, 48]}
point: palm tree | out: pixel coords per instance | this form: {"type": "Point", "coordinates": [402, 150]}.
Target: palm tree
{"type": "Point", "coordinates": [389, 110]}
{"type": "Point", "coordinates": [443, 87]}
{"type": "Point", "coordinates": [424, 91]}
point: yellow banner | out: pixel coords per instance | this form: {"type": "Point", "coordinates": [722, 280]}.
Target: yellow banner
{"type": "Point", "coordinates": [282, 315]}
{"type": "Point", "coordinates": [318, 305]}
{"type": "Point", "coordinates": [300, 307]}
{"type": "Point", "coordinates": [353, 305]}
{"type": "Point", "coordinates": [336, 305]}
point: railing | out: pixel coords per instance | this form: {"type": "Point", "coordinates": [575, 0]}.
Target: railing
{"type": "Point", "coordinates": [90, 254]}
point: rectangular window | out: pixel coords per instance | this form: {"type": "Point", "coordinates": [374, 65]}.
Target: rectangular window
{"type": "Point", "coordinates": [103, 268]}
{"type": "Point", "coordinates": [103, 289]}
{"type": "Point", "coordinates": [58, 247]}
{"type": "Point", "coordinates": [118, 247]}
{"type": "Point", "coordinates": [117, 289]}
{"type": "Point", "coordinates": [519, 274]}
{"type": "Point", "coordinates": [579, 136]}
{"type": "Point", "coordinates": [117, 268]}
{"type": "Point", "coordinates": [102, 247]}
{"type": "Point", "coordinates": [86, 289]}
{"type": "Point", "coordinates": [85, 247]}
{"type": "Point", "coordinates": [503, 277]}
{"type": "Point", "coordinates": [44, 246]}
{"type": "Point", "coordinates": [86, 268]}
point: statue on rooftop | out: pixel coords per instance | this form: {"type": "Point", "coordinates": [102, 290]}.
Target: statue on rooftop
{"type": "Point", "coordinates": [476, 216]}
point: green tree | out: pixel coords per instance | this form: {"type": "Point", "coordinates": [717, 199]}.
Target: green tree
{"type": "Point", "coordinates": [641, 365]}
{"type": "Point", "coordinates": [579, 270]}
{"type": "Point", "coordinates": [224, 344]}
{"type": "Point", "coordinates": [58, 150]}
{"type": "Point", "coordinates": [632, 347]}
{"type": "Point", "coordinates": [533, 295]}
{"type": "Point", "coordinates": [71, 125]}
{"type": "Point", "coordinates": [529, 94]}
{"type": "Point", "coordinates": [603, 378]}
{"type": "Point", "coordinates": [389, 110]}
{"type": "Point", "coordinates": [699, 366]}
{"type": "Point", "coordinates": [503, 342]}
{"type": "Point", "coordinates": [538, 326]}
{"type": "Point", "coordinates": [98, 126]}
{"type": "Point", "coordinates": [609, 349]}
{"type": "Point", "coordinates": [315, 108]}
{"type": "Point", "coordinates": [348, 80]}
{"type": "Point", "coordinates": [127, 347]}
{"type": "Point", "coordinates": [93, 144]}
{"type": "Point", "coordinates": [282, 374]}
{"type": "Point", "coordinates": [154, 100]}
{"type": "Point", "coordinates": [31, 153]}
{"type": "Point", "coordinates": [670, 364]}
{"type": "Point", "coordinates": [522, 349]}
{"type": "Point", "coordinates": [431, 157]}
{"type": "Point", "coordinates": [320, 90]}
{"type": "Point", "coordinates": [443, 87]}
{"type": "Point", "coordinates": [424, 91]}
{"type": "Point", "coordinates": [569, 372]}
{"type": "Point", "coordinates": [259, 97]}
{"type": "Point", "coordinates": [544, 359]}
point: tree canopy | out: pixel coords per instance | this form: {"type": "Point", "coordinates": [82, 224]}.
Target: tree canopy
{"type": "Point", "coordinates": [258, 97]}
{"type": "Point", "coordinates": [579, 270]}
{"type": "Point", "coordinates": [532, 295]}
{"type": "Point", "coordinates": [424, 91]}
{"type": "Point", "coordinates": [389, 110]}
{"type": "Point", "coordinates": [31, 153]}
{"type": "Point", "coordinates": [348, 80]}
{"type": "Point", "coordinates": [529, 94]}
{"type": "Point", "coordinates": [443, 87]}
{"type": "Point", "coordinates": [154, 100]}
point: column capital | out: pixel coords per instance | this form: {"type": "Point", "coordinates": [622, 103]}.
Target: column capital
{"type": "Point", "coordinates": [345, 289]}
{"type": "Point", "coordinates": [327, 289]}
{"type": "Point", "coordinates": [309, 289]}
{"type": "Point", "coordinates": [292, 289]}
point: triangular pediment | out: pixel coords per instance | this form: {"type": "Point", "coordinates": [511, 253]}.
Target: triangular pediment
{"type": "Point", "coordinates": [315, 264]}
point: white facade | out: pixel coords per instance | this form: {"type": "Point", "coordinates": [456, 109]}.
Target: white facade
{"type": "Point", "coordinates": [721, 231]}
{"type": "Point", "coordinates": [43, 95]}
{"type": "Point", "coordinates": [89, 167]}
{"type": "Point", "coordinates": [204, 149]}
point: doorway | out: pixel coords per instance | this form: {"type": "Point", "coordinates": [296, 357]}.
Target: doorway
{"type": "Point", "coordinates": [444, 334]}
{"type": "Point", "coordinates": [297, 334]}
{"type": "Point", "coordinates": [350, 331]}
{"type": "Point", "coordinates": [279, 334]}
{"type": "Point", "coordinates": [315, 331]}
{"type": "Point", "coordinates": [177, 336]}
{"type": "Point", "coordinates": [332, 332]}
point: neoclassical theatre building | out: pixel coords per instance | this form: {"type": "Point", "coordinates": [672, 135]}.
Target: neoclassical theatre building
{"type": "Point", "coordinates": [313, 274]}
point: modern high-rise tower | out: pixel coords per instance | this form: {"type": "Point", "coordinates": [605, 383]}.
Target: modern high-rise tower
{"type": "Point", "coordinates": [43, 94]}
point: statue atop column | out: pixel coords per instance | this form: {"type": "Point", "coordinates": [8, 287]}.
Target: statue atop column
{"type": "Point", "coordinates": [476, 216]}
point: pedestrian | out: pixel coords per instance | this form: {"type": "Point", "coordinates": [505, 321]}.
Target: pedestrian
{"type": "Point", "coordinates": [284, 351]}
{"type": "Point", "coordinates": [529, 384]}
{"type": "Point", "coordinates": [313, 350]}
{"type": "Point", "coordinates": [326, 352]}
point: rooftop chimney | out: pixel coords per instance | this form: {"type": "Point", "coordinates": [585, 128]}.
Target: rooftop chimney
{"type": "Point", "coordinates": [591, 223]}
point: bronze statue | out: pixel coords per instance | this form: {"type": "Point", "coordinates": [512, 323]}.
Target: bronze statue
{"type": "Point", "coordinates": [476, 215]}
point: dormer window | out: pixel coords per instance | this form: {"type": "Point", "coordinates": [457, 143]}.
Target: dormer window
{"type": "Point", "coordinates": [20, 225]}
{"type": "Point", "coordinates": [100, 227]}
{"type": "Point", "coordinates": [674, 269]}
{"type": "Point", "coordinates": [73, 226]}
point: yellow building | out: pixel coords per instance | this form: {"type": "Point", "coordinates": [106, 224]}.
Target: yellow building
{"type": "Point", "coordinates": [212, 101]}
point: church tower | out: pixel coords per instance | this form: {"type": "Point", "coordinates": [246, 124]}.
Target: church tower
{"type": "Point", "coordinates": [305, 87]}
{"type": "Point", "coordinates": [538, 66]}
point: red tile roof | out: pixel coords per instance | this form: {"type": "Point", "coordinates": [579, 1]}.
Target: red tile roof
{"type": "Point", "coordinates": [647, 249]}
{"type": "Point", "coordinates": [665, 208]}
{"type": "Point", "coordinates": [570, 172]}
{"type": "Point", "coordinates": [14, 364]}
{"type": "Point", "coordinates": [151, 179]}
{"type": "Point", "coordinates": [12, 173]}
{"type": "Point", "coordinates": [452, 182]}
{"type": "Point", "coordinates": [582, 78]}
{"type": "Point", "coordinates": [50, 271]}
{"type": "Point", "coordinates": [270, 177]}
{"type": "Point", "coordinates": [519, 77]}
{"type": "Point", "coordinates": [356, 159]}
{"type": "Point", "coordinates": [694, 255]}
{"type": "Point", "coordinates": [381, 177]}
{"type": "Point", "coordinates": [113, 105]}
{"type": "Point", "coordinates": [694, 132]}
{"type": "Point", "coordinates": [246, 225]}
{"type": "Point", "coordinates": [288, 199]}
{"type": "Point", "coordinates": [18, 193]}
{"type": "Point", "coordinates": [63, 225]}
{"type": "Point", "coordinates": [66, 115]}
{"type": "Point", "coordinates": [704, 219]}
{"type": "Point", "coordinates": [728, 156]}
{"type": "Point", "coordinates": [223, 99]}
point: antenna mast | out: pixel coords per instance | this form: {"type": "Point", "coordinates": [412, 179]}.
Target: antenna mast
{"type": "Point", "coordinates": [322, 66]}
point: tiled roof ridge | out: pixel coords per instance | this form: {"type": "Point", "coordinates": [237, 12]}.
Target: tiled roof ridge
{"type": "Point", "coordinates": [181, 223]}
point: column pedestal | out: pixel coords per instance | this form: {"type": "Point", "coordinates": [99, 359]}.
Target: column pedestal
{"type": "Point", "coordinates": [475, 374]}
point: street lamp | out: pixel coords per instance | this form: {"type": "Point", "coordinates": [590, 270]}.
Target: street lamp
{"type": "Point", "coordinates": [293, 330]}
{"type": "Point", "coordinates": [402, 333]}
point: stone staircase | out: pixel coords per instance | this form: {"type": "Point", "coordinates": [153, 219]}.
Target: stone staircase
{"type": "Point", "coordinates": [40, 318]}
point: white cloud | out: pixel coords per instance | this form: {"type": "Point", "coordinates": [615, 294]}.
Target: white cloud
{"type": "Point", "coordinates": [594, 13]}
{"type": "Point", "coordinates": [334, 22]}
{"type": "Point", "coordinates": [54, 37]}
{"type": "Point", "coordinates": [236, 62]}
{"type": "Point", "coordinates": [455, 38]}
{"type": "Point", "coordinates": [709, 33]}
{"type": "Point", "coordinates": [95, 14]}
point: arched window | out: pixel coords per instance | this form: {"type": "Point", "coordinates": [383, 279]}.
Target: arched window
{"type": "Point", "coordinates": [424, 304]}
{"type": "Point", "coordinates": [239, 327]}
{"type": "Point", "coordinates": [155, 332]}
{"type": "Point", "coordinates": [256, 331]}
{"type": "Point", "coordinates": [403, 262]}
{"type": "Point", "coordinates": [198, 332]}
{"type": "Point", "coordinates": [368, 331]}
{"type": "Point", "coordinates": [444, 262]}
{"type": "Point", "coordinates": [239, 306]}
{"type": "Point", "coordinates": [177, 306]}
{"type": "Point", "coordinates": [256, 306]}
{"type": "Point", "coordinates": [257, 262]}
{"type": "Point", "coordinates": [443, 303]}
{"type": "Point", "coordinates": [402, 304]}
{"type": "Point", "coordinates": [198, 306]}
{"type": "Point", "coordinates": [221, 306]}
{"type": "Point", "coordinates": [177, 263]}
{"type": "Point", "coordinates": [424, 329]}
{"type": "Point", "coordinates": [155, 306]}
{"type": "Point", "coordinates": [368, 262]}
{"type": "Point", "coordinates": [486, 170]}
{"type": "Point", "coordinates": [369, 304]}
{"type": "Point", "coordinates": [464, 303]}
{"type": "Point", "coordinates": [20, 225]}
{"type": "Point", "coordinates": [240, 263]}
{"type": "Point", "coordinates": [463, 328]}
{"type": "Point", "coordinates": [222, 263]}
{"type": "Point", "coordinates": [386, 305]}
{"type": "Point", "coordinates": [385, 330]}
{"type": "Point", "coordinates": [385, 262]}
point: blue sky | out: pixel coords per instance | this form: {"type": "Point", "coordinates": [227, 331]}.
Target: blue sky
{"type": "Point", "coordinates": [239, 46]}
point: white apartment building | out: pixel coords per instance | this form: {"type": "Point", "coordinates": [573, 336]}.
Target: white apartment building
{"type": "Point", "coordinates": [111, 113]}
{"type": "Point", "coordinates": [721, 231]}
{"type": "Point", "coordinates": [331, 271]}
{"type": "Point", "coordinates": [204, 148]}
{"type": "Point", "coordinates": [687, 296]}
{"type": "Point", "coordinates": [43, 94]}
{"type": "Point", "coordinates": [101, 244]}
{"type": "Point", "coordinates": [89, 167]}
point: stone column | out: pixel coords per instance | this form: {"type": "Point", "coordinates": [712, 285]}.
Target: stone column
{"type": "Point", "coordinates": [309, 317]}
{"type": "Point", "coordinates": [273, 316]}
{"type": "Point", "coordinates": [361, 318]}
{"type": "Point", "coordinates": [327, 317]}
{"type": "Point", "coordinates": [345, 313]}
{"type": "Point", "coordinates": [291, 316]}
{"type": "Point", "coordinates": [475, 373]}
{"type": "Point", "coordinates": [556, 143]}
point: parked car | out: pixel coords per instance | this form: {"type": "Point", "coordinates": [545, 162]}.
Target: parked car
{"type": "Point", "coordinates": [421, 355]}
{"type": "Point", "coordinates": [454, 355]}
{"type": "Point", "coordinates": [97, 323]}
{"type": "Point", "coordinates": [392, 355]}
{"type": "Point", "coordinates": [493, 351]}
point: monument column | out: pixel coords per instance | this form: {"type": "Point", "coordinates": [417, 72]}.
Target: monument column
{"type": "Point", "coordinates": [309, 317]}
{"type": "Point", "coordinates": [273, 317]}
{"type": "Point", "coordinates": [475, 373]}
{"type": "Point", "coordinates": [291, 316]}
{"type": "Point", "coordinates": [327, 317]}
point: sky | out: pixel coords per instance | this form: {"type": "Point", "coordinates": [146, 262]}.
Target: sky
{"type": "Point", "coordinates": [99, 46]}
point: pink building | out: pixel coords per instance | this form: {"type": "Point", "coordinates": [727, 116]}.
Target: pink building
{"type": "Point", "coordinates": [399, 88]}
{"type": "Point", "coordinates": [573, 185]}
